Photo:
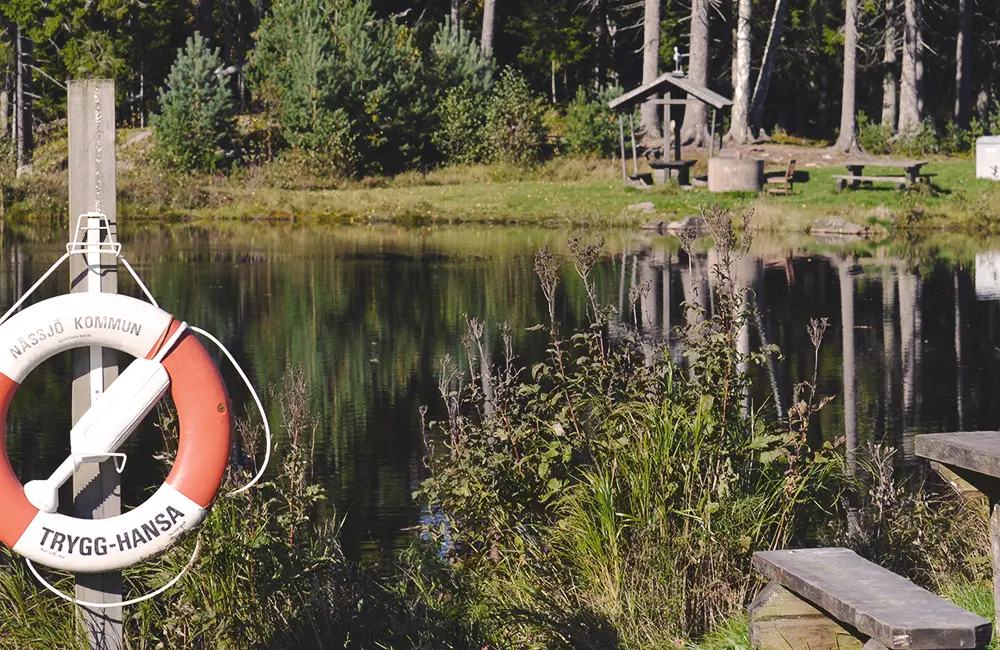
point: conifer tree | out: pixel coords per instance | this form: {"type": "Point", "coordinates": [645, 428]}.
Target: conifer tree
{"type": "Point", "coordinates": [195, 118]}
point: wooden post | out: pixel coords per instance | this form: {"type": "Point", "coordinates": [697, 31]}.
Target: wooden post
{"type": "Point", "coordinates": [631, 128]}
{"type": "Point", "coordinates": [621, 132]}
{"type": "Point", "coordinates": [711, 137]}
{"type": "Point", "coordinates": [96, 488]}
{"type": "Point", "coordinates": [666, 127]}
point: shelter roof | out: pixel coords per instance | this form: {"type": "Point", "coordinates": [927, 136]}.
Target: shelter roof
{"type": "Point", "coordinates": [666, 82]}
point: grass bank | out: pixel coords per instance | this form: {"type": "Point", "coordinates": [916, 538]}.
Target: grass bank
{"type": "Point", "coordinates": [560, 193]}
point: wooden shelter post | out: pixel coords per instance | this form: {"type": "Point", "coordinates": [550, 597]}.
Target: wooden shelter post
{"type": "Point", "coordinates": [631, 128]}
{"type": "Point", "coordinates": [621, 132]}
{"type": "Point", "coordinates": [711, 146]}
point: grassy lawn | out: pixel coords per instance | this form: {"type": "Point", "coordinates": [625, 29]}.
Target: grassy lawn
{"type": "Point", "coordinates": [595, 197]}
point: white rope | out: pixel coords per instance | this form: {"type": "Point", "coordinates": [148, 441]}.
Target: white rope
{"type": "Point", "coordinates": [256, 399]}
{"type": "Point", "coordinates": [135, 276]}
{"type": "Point", "coordinates": [134, 601]}
{"type": "Point", "coordinates": [45, 276]}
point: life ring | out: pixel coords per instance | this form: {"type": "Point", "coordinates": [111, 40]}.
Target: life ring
{"type": "Point", "coordinates": [180, 504]}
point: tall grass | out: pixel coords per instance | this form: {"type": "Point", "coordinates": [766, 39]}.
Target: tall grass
{"type": "Point", "coordinates": [616, 492]}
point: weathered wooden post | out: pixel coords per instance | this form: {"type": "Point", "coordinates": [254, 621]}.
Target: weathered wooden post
{"type": "Point", "coordinates": [96, 488]}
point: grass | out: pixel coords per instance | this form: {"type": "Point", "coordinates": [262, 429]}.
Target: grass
{"type": "Point", "coordinates": [589, 193]}
{"type": "Point", "coordinates": [563, 192]}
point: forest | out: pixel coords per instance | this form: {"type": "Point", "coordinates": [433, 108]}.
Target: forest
{"type": "Point", "coordinates": [379, 86]}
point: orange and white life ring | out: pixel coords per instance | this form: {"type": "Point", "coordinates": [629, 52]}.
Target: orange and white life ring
{"type": "Point", "coordinates": [180, 504]}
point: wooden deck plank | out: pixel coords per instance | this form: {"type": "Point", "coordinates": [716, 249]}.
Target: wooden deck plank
{"type": "Point", "coordinates": [873, 600]}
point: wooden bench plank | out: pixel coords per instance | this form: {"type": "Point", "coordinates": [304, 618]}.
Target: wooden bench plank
{"type": "Point", "coordinates": [977, 451]}
{"type": "Point", "coordinates": [657, 163]}
{"type": "Point", "coordinates": [878, 603]}
{"type": "Point", "coordinates": [877, 179]}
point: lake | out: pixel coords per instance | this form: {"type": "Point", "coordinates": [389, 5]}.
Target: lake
{"type": "Point", "coordinates": [367, 315]}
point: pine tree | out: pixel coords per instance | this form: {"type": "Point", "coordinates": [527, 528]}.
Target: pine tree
{"type": "Point", "coordinates": [195, 118]}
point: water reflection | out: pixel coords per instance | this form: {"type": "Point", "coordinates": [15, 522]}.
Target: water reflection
{"type": "Point", "coordinates": [367, 316]}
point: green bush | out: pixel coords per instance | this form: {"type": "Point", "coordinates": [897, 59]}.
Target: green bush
{"type": "Point", "coordinates": [874, 138]}
{"type": "Point", "coordinates": [460, 134]}
{"type": "Point", "coordinates": [196, 114]}
{"type": "Point", "coordinates": [515, 132]}
{"type": "Point", "coordinates": [592, 127]}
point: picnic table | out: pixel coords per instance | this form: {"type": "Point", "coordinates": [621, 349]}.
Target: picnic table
{"type": "Point", "coordinates": [911, 173]}
{"type": "Point", "coordinates": [975, 457]}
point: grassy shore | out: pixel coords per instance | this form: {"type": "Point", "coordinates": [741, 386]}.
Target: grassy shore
{"type": "Point", "coordinates": [560, 193]}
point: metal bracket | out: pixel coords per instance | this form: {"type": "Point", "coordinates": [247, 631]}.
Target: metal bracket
{"type": "Point", "coordinates": [80, 244]}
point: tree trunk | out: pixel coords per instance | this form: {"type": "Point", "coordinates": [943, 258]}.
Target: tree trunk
{"type": "Point", "coordinates": [651, 67]}
{"type": "Point", "coordinates": [455, 12]}
{"type": "Point", "coordinates": [4, 107]}
{"type": "Point", "coordinates": [740, 129]}
{"type": "Point", "coordinates": [602, 43]}
{"type": "Point", "coordinates": [695, 129]}
{"type": "Point", "coordinates": [24, 122]}
{"type": "Point", "coordinates": [203, 19]}
{"type": "Point", "coordinates": [889, 60]}
{"type": "Point", "coordinates": [489, 18]}
{"type": "Point", "coordinates": [848, 140]}
{"type": "Point", "coordinates": [909, 105]}
{"type": "Point", "coordinates": [767, 66]}
{"type": "Point", "coordinates": [963, 85]}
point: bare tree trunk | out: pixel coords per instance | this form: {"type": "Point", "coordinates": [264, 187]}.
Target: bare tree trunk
{"type": "Point", "coordinates": [767, 66]}
{"type": "Point", "coordinates": [920, 58]}
{"type": "Point", "coordinates": [963, 85]}
{"type": "Point", "coordinates": [24, 122]}
{"type": "Point", "coordinates": [204, 20]}
{"type": "Point", "coordinates": [909, 105]}
{"type": "Point", "coordinates": [455, 12]}
{"type": "Point", "coordinates": [695, 128]}
{"type": "Point", "coordinates": [4, 107]}
{"type": "Point", "coordinates": [489, 18]}
{"type": "Point", "coordinates": [739, 130]}
{"type": "Point", "coordinates": [602, 43]}
{"type": "Point", "coordinates": [889, 60]}
{"type": "Point", "coordinates": [651, 67]}
{"type": "Point", "coordinates": [848, 140]}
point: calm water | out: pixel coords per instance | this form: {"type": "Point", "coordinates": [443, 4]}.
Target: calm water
{"type": "Point", "coordinates": [367, 315]}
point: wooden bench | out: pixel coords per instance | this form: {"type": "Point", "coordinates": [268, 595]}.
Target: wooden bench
{"type": "Point", "coordinates": [832, 599]}
{"type": "Point", "coordinates": [662, 169]}
{"type": "Point", "coordinates": [845, 180]}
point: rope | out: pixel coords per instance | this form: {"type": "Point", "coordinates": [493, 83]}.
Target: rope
{"type": "Point", "coordinates": [256, 399]}
{"type": "Point", "coordinates": [134, 601]}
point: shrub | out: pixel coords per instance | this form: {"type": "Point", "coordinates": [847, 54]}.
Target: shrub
{"type": "Point", "coordinates": [874, 138]}
{"type": "Point", "coordinates": [592, 127]}
{"type": "Point", "coordinates": [462, 122]}
{"type": "Point", "coordinates": [514, 129]}
{"type": "Point", "coordinates": [918, 141]}
{"type": "Point", "coordinates": [195, 118]}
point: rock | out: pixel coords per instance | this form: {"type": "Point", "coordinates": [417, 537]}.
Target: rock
{"type": "Point", "coordinates": [646, 207]}
{"type": "Point", "coordinates": [696, 224]}
{"type": "Point", "coordinates": [827, 156]}
{"type": "Point", "coordinates": [812, 165]}
{"type": "Point", "coordinates": [834, 226]}
{"type": "Point", "coordinates": [138, 136]}
{"type": "Point", "coordinates": [883, 213]}
{"type": "Point", "coordinates": [655, 225]}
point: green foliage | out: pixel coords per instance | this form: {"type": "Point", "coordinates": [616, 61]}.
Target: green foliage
{"type": "Point", "coordinates": [566, 489]}
{"type": "Point", "coordinates": [514, 129]}
{"type": "Point", "coordinates": [195, 118]}
{"type": "Point", "coordinates": [460, 136]}
{"type": "Point", "coordinates": [345, 84]}
{"type": "Point", "coordinates": [455, 59]}
{"type": "Point", "coordinates": [592, 127]}
{"type": "Point", "coordinates": [873, 138]}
